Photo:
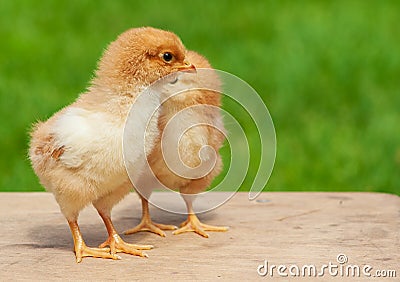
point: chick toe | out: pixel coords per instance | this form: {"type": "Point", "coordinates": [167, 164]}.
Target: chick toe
{"type": "Point", "coordinates": [193, 224]}
{"type": "Point", "coordinates": [117, 245]}
{"type": "Point", "coordinates": [84, 251]}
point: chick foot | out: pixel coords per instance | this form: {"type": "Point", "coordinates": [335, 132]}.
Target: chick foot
{"type": "Point", "coordinates": [115, 242]}
{"type": "Point", "coordinates": [84, 251]}
{"type": "Point", "coordinates": [81, 250]}
{"type": "Point", "coordinates": [148, 225]}
{"type": "Point", "coordinates": [117, 245]}
{"type": "Point", "coordinates": [193, 224]}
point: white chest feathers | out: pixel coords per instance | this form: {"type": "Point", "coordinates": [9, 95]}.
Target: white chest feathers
{"type": "Point", "coordinates": [88, 137]}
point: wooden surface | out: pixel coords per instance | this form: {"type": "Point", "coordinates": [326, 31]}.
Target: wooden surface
{"type": "Point", "coordinates": [283, 228]}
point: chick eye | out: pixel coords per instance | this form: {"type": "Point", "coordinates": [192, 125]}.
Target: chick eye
{"type": "Point", "coordinates": [167, 56]}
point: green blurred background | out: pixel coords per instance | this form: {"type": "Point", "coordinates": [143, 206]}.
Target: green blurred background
{"type": "Point", "coordinates": [329, 72]}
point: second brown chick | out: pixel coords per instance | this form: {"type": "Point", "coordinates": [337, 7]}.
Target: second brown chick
{"type": "Point", "coordinates": [205, 133]}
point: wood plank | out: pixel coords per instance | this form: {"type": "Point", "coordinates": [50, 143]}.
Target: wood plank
{"type": "Point", "coordinates": [282, 228]}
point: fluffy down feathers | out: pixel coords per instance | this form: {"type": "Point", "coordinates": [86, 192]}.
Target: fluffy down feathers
{"type": "Point", "coordinates": [77, 153]}
{"type": "Point", "coordinates": [196, 137]}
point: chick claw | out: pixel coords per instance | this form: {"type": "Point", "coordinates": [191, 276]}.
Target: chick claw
{"type": "Point", "coordinates": [149, 225]}
{"type": "Point", "coordinates": [193, 224]}
{"type": "Point", "coordinates": [117, 245]}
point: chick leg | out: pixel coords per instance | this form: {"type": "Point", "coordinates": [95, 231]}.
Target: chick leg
{"type": "Point", "coordinates": [115, 242]}
{"type": "Point", "coordinates": [81, 250]}
{"type": "Point", "coordinates": [193, 224]}
{"type": "Point", "coordinates": [146, 224]}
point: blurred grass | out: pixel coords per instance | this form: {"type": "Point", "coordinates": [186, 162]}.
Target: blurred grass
{"type": "Point", "coordinates": [329, 72]}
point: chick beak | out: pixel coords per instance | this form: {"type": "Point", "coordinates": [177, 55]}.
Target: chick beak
{"type": "Point", "coordinates": [187, 67]}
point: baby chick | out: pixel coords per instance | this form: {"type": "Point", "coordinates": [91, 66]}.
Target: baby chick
{"type": "Point", "coordinates": [77, 153]}
{"type": "Point", "coordinates": [189, 147]}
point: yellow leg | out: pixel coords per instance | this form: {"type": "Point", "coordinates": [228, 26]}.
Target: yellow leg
{"type": "Point", "coordinates": [117, 245]}
{"type": "Point", "coordinates": [81, 250]}
{"type": "Point", "coordinates": [146, 224]}
{"type": "Point", "coordinates": [193, 224]}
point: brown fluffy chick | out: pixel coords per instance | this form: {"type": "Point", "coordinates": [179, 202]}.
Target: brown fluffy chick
{"type": "Point", "coordinates": [77, 153]}
{"type": "Point", "coordinates": [189, 148]}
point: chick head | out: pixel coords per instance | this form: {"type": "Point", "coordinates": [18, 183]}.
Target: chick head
{"type": "Point", "coordinates": [140, 56]}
